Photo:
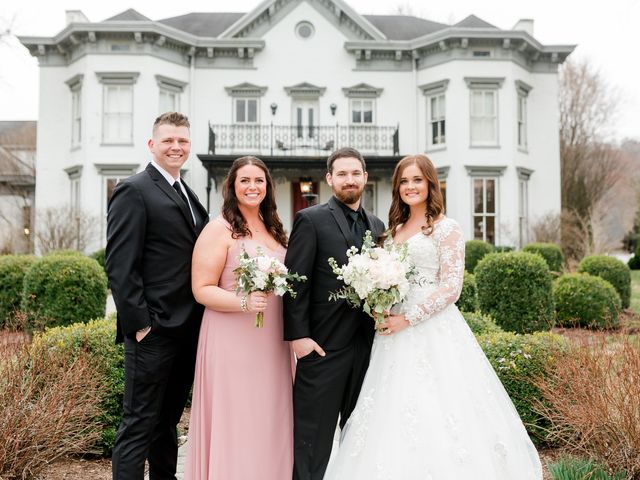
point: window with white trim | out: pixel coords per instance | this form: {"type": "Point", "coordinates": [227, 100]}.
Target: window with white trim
{"type": "Point", "coordinates": [170, 91]}
{"type": "Point", "coordinates": [76, 117]}
{"type": "Point", "coordinates": [74, 199]}
{"type": "Point", "coordinates": [169, 101]}
{"type": "Point", "coordinates": [483, 110]}
{"type": "Point", "coordinates": [245, 110]}
{"type": "Point", "coordinates": [437, 120]}
{"type": "Point", "coordinates": [522, 90]}
{"type": "Point", "coordinates": [523, 205]}
{"type": "Point", "coordinates": [484, 117]}
{"type": "Point", "coordinates": [117, 106]}
{"type": "Point", "coordinates": [522, 121]}
{"type": "Point", "coordinates": [436, 112]}
{"type": "Point", "coordinates": [362, 111]}
{"type": "Point", "coordinates": [74, 173]}
{"type": "Point", "coordinates": [485, 191]}
{"type": "Point", "coordinates": [443, 173]}
{"type": "Point", "coordinates": [117, 120]}
{"type": "Point", "coordinates": [75, 85]}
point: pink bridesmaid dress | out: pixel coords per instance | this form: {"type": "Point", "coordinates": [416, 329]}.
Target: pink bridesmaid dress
{"type": "Point", "coordinates": [241, 425]}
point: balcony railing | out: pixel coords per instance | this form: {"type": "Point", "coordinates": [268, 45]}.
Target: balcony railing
{"type": "Point", "coordinates": [301, 140]}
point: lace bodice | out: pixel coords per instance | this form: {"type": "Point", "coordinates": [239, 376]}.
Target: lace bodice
{"type": "Point", "coordinates": [439, 259]}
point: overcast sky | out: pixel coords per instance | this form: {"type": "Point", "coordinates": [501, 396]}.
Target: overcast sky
{"type": "Point", "coordinates": [605, 32]}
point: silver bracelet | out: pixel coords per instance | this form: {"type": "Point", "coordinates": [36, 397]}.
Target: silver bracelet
{"type": "Point", "coordinates": [243, 304]}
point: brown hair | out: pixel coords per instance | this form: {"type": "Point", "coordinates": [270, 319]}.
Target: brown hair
{"type": "Point", "coordinates": [171, 118]}
{"type": "Point", "coordinates": [399, 211]}
{"type": "Point", "coordinates": [345, 152]}
{"type": "Point", "coordinates": [268, 208]}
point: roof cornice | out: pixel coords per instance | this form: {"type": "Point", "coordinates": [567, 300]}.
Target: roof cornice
{"type": "Point", "coordinates": [459, 33]}
{"type": "Point", "coordinates": [140, 27]}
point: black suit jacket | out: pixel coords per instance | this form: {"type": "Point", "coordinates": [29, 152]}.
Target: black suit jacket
{"type": "Point", "coordinates": [320, 232]}
{"type": "Point", "coordinates": [150, 239]}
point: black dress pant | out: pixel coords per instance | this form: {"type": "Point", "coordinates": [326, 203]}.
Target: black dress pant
{"type": "Point", "coordinates": [158, 377]}
{"type": "Point", "coordinates": [324, 388]}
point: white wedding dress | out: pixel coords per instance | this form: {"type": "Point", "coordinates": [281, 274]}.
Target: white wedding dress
{"type": "Point", "coordinates": [431, 406]}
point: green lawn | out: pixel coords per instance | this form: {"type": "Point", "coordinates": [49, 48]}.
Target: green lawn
{"type": "Point", "coordinates": [635, 290]}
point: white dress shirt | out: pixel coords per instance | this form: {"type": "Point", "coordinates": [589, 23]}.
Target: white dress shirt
{"type": "Point", "coordinates": [169, 178]}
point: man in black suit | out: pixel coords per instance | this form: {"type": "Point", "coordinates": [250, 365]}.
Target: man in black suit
{"type": "Point", "coordinates": [331, 340]}
{"type": "Point", "coordinates": [154, 219]}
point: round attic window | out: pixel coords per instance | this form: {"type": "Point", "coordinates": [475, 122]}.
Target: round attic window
{"type": "Point", "coordinates": [304, 30]}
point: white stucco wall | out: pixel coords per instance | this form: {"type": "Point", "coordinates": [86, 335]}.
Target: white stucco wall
{"type": "Point", "coordinates": [322, 60]}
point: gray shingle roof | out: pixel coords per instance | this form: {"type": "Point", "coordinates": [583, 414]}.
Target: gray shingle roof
{"type": "Point", "coordinates": [404, 27]}
{"type": "Point", "coordinates": [212, 24]}
{"type": "Point", "coordinates": [203, 24]}
{"type": "Point", "coordinates": [129, 15]}
{"type": "Point", "coordinates": [474, 22]}
{"type": "Point", "coordinates": [24, 129]}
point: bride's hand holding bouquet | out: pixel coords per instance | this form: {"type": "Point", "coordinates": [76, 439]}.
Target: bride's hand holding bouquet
{"type": "Point", "coordinates": [376, 278]}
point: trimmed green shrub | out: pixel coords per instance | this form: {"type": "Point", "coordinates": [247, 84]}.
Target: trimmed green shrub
{"type": "Point", "coordinates": [519, 361]}
{"type": "Point", "coordinates": [613, 271]}
{"type": "Point", "coordinates": [503, 248]}
{"type": "Point", "coordinates": [585, 300]}
{"type": "Point", "coordinates": [481, 324]}
{"type": "Point", "coordinates": [99, 256]}
{"type": "Point", "coordinates": [473, 253]}
{"type": "Point", "coordinates": [12, 270]}
{"type": "Point", "coordinates": [572, 468]}
{"type": "Point", "coordinates": [634, 262]}
{"type": "Point", "coordinates": [97, 338]}
{"type": "Point", "coordinates": [64, 253]}
{"type": "Point", "coordinates": [64, 289]}
{"type": "Point", "coordinates": [468, 301]}
{"type": "Point", "coordinates": [550, 252]}
{"type": "Point", "coordinates": [515, 289]}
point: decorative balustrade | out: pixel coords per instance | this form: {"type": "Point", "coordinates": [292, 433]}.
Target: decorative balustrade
{"type": "Point", "coordinates": [301, 140]}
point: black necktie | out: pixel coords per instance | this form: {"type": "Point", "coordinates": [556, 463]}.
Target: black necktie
{"type": "Point", "coordinates": [357, 229]}
{"type": "Point", "coordinates": [176, 186]}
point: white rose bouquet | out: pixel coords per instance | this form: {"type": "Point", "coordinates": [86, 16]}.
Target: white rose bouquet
{"type": "Point", "coordinates": [376, 278]}
{"type": "Point", "coordinates": [265, 274]}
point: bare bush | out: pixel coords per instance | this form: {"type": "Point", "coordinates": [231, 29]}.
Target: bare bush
{"type": "Point", "coordinates": [546, 228]}
{"type": "Point", "coordinates": [50, 406]}
{"type": "Point", "coordinates": [64, 228]}
{"type": "Point", "coordinates": [593, 396]}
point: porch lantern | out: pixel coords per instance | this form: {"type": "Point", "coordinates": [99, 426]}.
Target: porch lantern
{"type": "Point", "coordinates": [306, 189]}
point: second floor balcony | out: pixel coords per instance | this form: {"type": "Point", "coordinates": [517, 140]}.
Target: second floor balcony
{"type": "Point", "coordinates": [301, 140]}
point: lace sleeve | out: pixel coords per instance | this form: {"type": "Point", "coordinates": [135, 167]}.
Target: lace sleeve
{"type": "Point", "coordinates": [450, 242]}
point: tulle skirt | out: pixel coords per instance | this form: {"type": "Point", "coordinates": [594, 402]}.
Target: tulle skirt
{"type": "Point", "coordinates": [432, 408]}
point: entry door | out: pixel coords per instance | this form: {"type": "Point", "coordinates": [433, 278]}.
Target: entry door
{"type": "Point", "coordinates": [305, 121]}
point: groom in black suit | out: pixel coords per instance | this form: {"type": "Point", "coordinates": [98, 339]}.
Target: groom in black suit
{"type": "Point", "coordinates": [154, 219]}
{"type": "Point", "coordinates": [331, 340]}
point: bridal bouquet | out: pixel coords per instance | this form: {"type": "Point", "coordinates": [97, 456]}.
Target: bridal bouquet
{"type": "Point", "coordinates": [265, 274]}
{"type": "Point", "coordinates": [376, 278]}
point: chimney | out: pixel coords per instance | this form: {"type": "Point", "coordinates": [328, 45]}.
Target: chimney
{"type": "Point", "coordinates": [75, 16]}
{"type": "Point", "coordinates": [525, 24]}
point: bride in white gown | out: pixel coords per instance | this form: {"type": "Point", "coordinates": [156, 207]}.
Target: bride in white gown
{"type": "Point", "coordinates": [431, 406]}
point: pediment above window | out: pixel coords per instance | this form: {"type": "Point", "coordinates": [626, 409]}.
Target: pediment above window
{"type": "Point", "coordinates": [305, 90]}
{"type": "Point", "coordinates": [246, 89]}
{"type": "Point", "coordinates": [362, 90]}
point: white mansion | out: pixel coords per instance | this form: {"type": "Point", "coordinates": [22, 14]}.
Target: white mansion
{"type": "Point", "coordinates": [289, 82]}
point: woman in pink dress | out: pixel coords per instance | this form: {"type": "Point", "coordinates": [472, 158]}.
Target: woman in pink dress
{"type": "Point", "coordinates": [241, 425]}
